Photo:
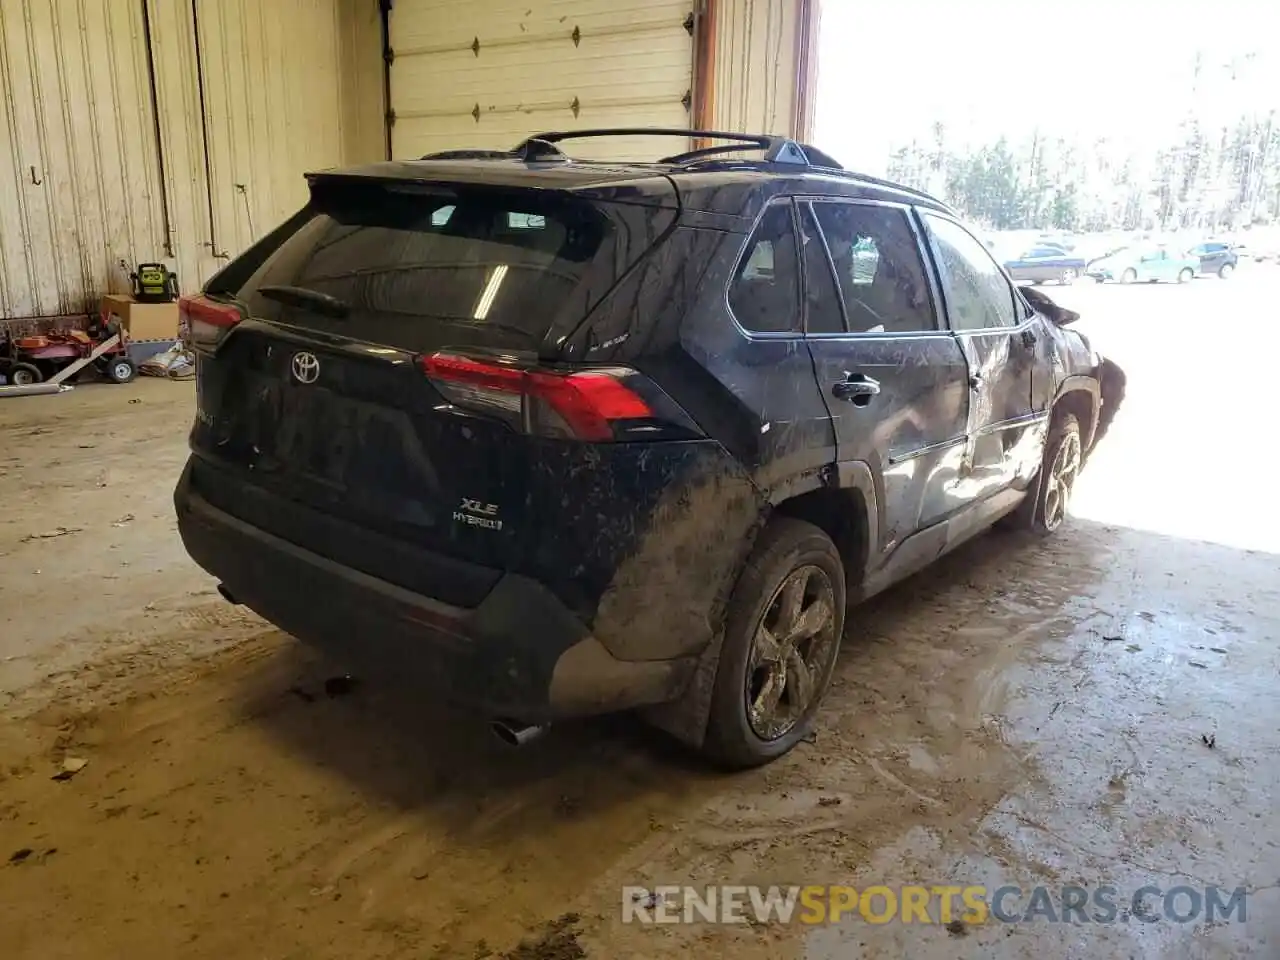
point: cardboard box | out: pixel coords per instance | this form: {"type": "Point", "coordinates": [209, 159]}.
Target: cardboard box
{"type": "Point", "coordinates": [143, 321]}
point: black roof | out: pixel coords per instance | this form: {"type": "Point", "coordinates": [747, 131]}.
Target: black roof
{"type": "Point", "coordinates": [538, 161]}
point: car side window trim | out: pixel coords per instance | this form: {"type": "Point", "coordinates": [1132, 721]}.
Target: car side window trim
{"type": "Point", "coordinates": [938, 331]}
{"type": "Point", "coordinates": [802, 207]}
{"type": "Point", "coordinates": [1021, 308]}
{"type": "Point", "coordinates": [743, 250]}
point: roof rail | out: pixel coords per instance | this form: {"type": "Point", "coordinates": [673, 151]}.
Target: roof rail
{"type": "Point", "coordinates": [776, 149]}
{"type": "Point", "coordinates": [759, 140]}
{"type": "Point", "coordinates": [543, 146]}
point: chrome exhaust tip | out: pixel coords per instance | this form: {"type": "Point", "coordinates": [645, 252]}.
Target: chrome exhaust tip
{"type": "Point", "coordinates": [515, 734]}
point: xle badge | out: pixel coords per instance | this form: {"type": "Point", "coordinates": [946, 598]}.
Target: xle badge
{"type": "Point", "coordinates": [477, 514]}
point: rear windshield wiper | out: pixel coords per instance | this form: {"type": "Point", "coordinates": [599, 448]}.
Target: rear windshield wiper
{"type": "Point", "coordinates": [306, 299]}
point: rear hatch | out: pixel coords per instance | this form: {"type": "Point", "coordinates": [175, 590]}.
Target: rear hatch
{"type": "Point", "coordinates": [382, 387]}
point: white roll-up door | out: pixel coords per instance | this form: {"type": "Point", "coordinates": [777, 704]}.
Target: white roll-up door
{"type": "Point", "coordinates": [487, 73]}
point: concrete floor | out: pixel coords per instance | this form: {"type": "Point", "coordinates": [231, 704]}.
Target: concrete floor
{"type": "Point", "coordinates": [1024, 714]}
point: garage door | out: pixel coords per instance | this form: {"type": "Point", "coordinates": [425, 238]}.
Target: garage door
{"type": "Point", "coordinates": [486, 73]}
{"type": "Point", "coordinates": [76, 153]}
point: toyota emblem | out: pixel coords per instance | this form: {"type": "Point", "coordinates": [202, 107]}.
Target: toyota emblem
{"type": "Point", "coordinates": [306, 367]}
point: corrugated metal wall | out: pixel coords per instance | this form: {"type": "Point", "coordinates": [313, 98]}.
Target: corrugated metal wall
{"type": "Point", "coordinates": [272, 109]}
{"type": "Point", "coordinates": [364, 126]}
{"type": "Point", "coordinates": [487, 74]}
{"type": "Point", "coordinates": [755, 61]}
{"type": "Point", "coordinates": [77, 162]}
{"type": "Point", "coordinates": [79, 158]}
{"type": "Point", "coordinates": [92, 174]}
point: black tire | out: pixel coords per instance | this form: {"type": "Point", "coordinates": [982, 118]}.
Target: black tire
{"type": "Point", "coordinates": [1033, 513]}
{"type": "Point", "coordinates": [25, 374]}
{"type": "Point", "coordinates": [787, 548]}
{"type": "Point", "coordinates": [1069, 276]}
{"type": "Point", "coordinates": [1129, 276]}
{"type": "Point", "coordinates": [1225, 271]}
{"type": "Point", "coordinates": [119, 369]}
{"type": "Point", "coordinates": [1186, 275]}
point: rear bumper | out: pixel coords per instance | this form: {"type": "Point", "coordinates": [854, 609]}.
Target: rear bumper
{"type": "Point", "coordinates": [519, 654]}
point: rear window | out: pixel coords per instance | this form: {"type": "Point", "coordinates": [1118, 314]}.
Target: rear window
{"type": "Point", "coordinates": [421, 271]}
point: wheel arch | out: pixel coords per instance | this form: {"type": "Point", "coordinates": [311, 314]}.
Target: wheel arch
{"type": "Point", "coordinates": [839, 499]}
{"type": "Point", "coordinates": [845, 506]}
{"type": "Point", "coordinates": [1079, 395]}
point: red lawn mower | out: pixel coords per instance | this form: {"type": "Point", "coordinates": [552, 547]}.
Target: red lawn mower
{"type": "Point", "coordinates": [33, 359]}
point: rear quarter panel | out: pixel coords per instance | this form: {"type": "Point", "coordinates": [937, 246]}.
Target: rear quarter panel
{"type": "Point", "coordinates": [664, 565]}
{"type": "Point", "coordinates": [641, 540]}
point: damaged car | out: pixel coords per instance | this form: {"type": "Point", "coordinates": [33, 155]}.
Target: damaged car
{"type": "Point", "coordinates": [550, 438]}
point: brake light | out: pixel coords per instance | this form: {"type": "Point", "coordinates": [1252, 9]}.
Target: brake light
{"type": "Point", "coordinates": [585, 405]}
{"type": "Point", "coordinates": [206, 321]}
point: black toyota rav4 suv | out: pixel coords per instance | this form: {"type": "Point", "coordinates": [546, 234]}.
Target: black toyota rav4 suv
{"type": "Point", "coordinates": [552, 437]}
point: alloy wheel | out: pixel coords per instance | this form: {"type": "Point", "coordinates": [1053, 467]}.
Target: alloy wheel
{"type": "Point", "coordinates": [791, 652]}
{"type": "Point", "coordinates": [1062, 480]}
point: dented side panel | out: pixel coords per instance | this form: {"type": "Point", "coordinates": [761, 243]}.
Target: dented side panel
{"type": "Point", "coordinates": [1066, 356]}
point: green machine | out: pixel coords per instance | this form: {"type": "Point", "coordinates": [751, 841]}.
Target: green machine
{"type": "Point", "coordinates": [154, 283]}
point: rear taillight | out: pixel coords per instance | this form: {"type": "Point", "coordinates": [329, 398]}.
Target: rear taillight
{"type": "Point", "coordinates": [595, 405]}
{"type": "Point", "coordinates": [207, 321]}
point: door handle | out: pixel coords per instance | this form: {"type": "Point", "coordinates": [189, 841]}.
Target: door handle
{"type": "Point", "coordinates": [1028, 338]}
{"type": "Point", "coordinates": [857, 388]}
{"type": "Point", "coordinates": [975, 381]}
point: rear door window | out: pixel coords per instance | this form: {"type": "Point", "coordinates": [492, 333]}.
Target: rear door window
{"type": "Point", "coordinates": [420, 271]}
{"type": "Point", "coordinates": [877, 261]}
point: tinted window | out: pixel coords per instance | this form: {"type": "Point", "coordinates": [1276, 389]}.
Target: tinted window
{"type": "Point", "coordinates": [418, 271]}
{"type": "Point", "coordinates": [877, 262]}
{"type": "Point", "coordinates": [977, 292]}
{"type": "Point", "coordinates": [822, 300]}
{"type": "Point", "coordinates": [1044, 252]}
{"type": "Point", "coordinates": [765, 295]}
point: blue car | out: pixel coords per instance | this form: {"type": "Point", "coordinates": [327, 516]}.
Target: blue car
{"type": "Point", "coordinates": [1217, 259]}
{"type": "Point", "coordinates": [1045, 262]}
{"type": "Point", "coordinates": [1145, 265]}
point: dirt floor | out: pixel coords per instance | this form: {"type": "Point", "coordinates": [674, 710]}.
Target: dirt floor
{"type": "Point", "coordinates": [1097, 709]}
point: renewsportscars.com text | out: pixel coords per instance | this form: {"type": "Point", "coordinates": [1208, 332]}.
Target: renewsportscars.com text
{"type": "Point", "coordinates": [937, 903]}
